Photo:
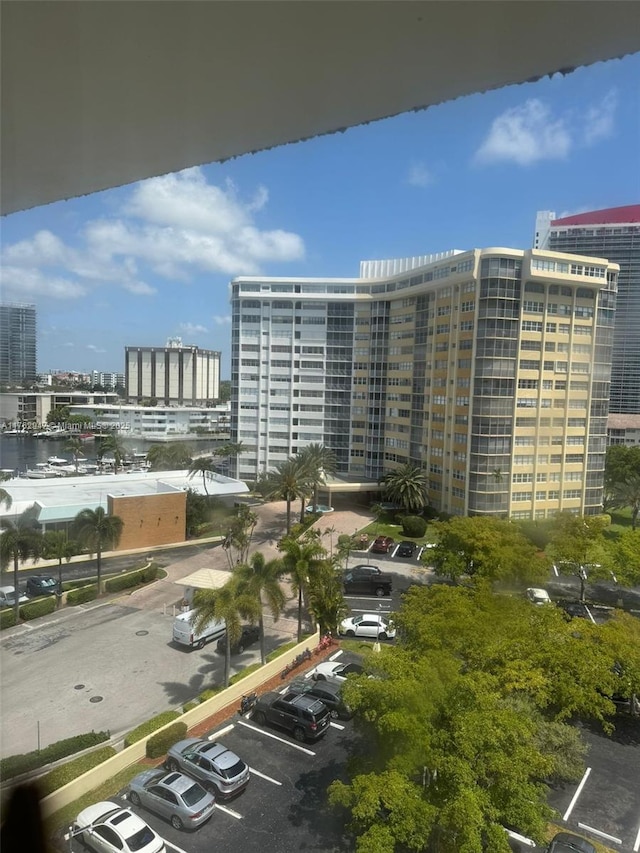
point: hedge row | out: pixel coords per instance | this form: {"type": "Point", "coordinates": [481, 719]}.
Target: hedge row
{"type": "Point", "coordinates": [158, 744]}
{"type": "Point", "coordinates": [82, 595]}
{"type": "Point", "coordinates": [72, 769]}
{"type": "Point", "coordinates": [7, 618]}
{"type": "Point", "coordinates": [244, 673]}
{"type": "Point", "coordinates": [150, 726]}
{"type": "Point", "coordinates": [14, 765]}
{"type": "Point", "coordinates": [38, 608]}
{"type": "Point", "coordinates": [134, 578]}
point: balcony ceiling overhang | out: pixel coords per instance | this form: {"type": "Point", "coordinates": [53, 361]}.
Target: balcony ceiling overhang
{"type": "Point", "coordinates": [103, 93]}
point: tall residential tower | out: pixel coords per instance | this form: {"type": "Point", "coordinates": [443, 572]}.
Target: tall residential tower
{"type": "Point", "coordinates": [487, 368]}
{"type": "Point", "coordinates": [17, 343]}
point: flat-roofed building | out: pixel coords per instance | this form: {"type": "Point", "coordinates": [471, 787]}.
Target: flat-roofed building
{"type": "Point", "coordinates": [488, 368]}
{"type": "Point", "coordinates": [185, 375]}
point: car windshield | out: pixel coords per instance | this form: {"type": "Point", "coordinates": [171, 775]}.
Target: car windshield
{"type": "Point", "coordinates": [140, 838]}
{"type": "Point", "coordinates": [193, 795]}
{"type": "Point", "coordinates": [46, 582]}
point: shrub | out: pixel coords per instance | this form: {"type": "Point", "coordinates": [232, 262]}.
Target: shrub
{"type": "Point", "coordinates": [133, 578]}
{"type": "Point", "coordinates": [150, 726]}
{"type": "Point", "coordinates": [150, 573]}
{"type": "Point", "coordinates": [158, 744]}
{"type": "Point", "coordinates": [14, 765]}
{"type": "Point", "coordinates": [189, 706]}
{"type": "Point", "coordinates": [38, 608]}
{"type": "Point", "coordinates": [72, 769]}
{"type": "Point", "coordinates": [414, 526]}
{"type": "Point", "coordinates": [82, 595]}
{"type": "Point", "coordinates": [244, 673]}
{"type": "Point", "coordinates": [7, 618]}
{"type": "Point", "coordinates": [209, 694]}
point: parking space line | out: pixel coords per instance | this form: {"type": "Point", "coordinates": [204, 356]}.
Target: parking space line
{"type": "Point", "coordinates": [173, 846]}
{"type": "Point", "coordinates": [221, 732]}
{"type": "Point", "coordinates": [275, 737]}
{"type": "Point", "coordinates": [228, 811]}
{"type": "Point", "coordinates": [574, 799]}
{"type": "Point", "coordinates": [337, 726]}
{"type": "Point", "coordinates": [263, 776]}
{"type": "Point", "coordinates": [636, 846]}
{"type": "Point", "coordinates": [600, 834]}
{"type": "Point", "coordinates": [336, 654]}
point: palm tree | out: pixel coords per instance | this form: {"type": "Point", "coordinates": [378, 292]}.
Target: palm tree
{"type": "Point", "coordinates": [407, 486]}
{"type": "Point", "coordinates": [173, 456]}
{"type": "Point", "coordinates": [20, 540]}
{"type": "Point", "coordinates": [112, 444]}
{"type": "Point", "coordinates": [302, 559]}
{"type": "Point", "coordinates": [627, 493]}
{"type": "Point", "coordinates": [202, 465]}
{"type": "Point", "coordinates": [230, 603]}
{"type": "Point", "coordinates": [326, 599]}
{"type": "Point", "coordinates": [5, 497]}
{"type": "Point", "coordinates": [95, 530]}
{"type": "Point", "coordinates": [288, 482]}
{"type": "Point", "coordinates": [57, 546]}
{"type": "Point", "coordinates": [319, 461]}
{"type": "Point", "coordinates": [261, 578]}
{"type": "Point", "coordinates": [230, 450]}
{"type": "Point", "coordinates": [75, 447]}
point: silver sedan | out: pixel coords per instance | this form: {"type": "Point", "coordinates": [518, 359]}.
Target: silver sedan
{"type": "Point", "coordinates": [174, 796]}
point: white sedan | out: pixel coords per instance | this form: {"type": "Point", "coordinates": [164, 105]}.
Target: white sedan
{"type": "Point", "coordinates": [108, 828]}
{"type": "Point", "coordinates": [538, 596]}
{"type": "Point", "coordinates": [367, 625]}
{"type": "Point", "coordinates": [335, 670]}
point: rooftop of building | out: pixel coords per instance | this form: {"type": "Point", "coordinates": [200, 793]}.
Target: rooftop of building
{"type": "Point", "coordinates": [623, 421]}
{"type": "Point", "coordinates": [625, 215]}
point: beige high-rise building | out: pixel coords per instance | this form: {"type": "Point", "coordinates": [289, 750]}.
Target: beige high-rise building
{"type": "Point", "coordinates": [490, 369]}
{"type": "Point", "coordinates": [173, 374]}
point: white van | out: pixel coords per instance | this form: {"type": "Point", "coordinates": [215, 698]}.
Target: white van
{"type": "Point", "coordinates": [8, 596]}
{"type": "Point", "coordinates": [185, 635]}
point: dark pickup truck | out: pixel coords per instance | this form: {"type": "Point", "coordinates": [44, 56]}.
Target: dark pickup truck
{"type": "Point", "coordinates": [367, 580]}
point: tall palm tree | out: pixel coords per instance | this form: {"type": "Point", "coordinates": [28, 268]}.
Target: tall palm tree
{"type": "Point", "coordinates": [627, 493]}
{"type": "Point", "coordinates": [326, 598]}
{"type": "Point", "coordinates": [261, 578]}
{"type": "Point", "coordinates": [20, 540]}
{"type": "Point", "coordinates": [302, 558]}
{"type": "Point", "coordinates": [76, 448]}
{"type": "Point", "coordinates": [202, 465]}
{"type": "Point", "coordinates": [319, 461]}
{"type": "Point", "coordinates": [5, 497]}
{"type": "Point", "coordinates": [94, 530]}
{"type": "Point", "coordinates": [113, 444]}
{"type": "Point", "coordinates": [57, 546]}
{"type": "Point", "coordinates": [173, 456]}
{"type": "Point", "coordinates": [230, 603]}
{"type": "Point", "coordinates": [407, 486]}
{"type": "Point", "coordinates": [230, 450]}
{"type": "Point", "coordinates": [288, 482]}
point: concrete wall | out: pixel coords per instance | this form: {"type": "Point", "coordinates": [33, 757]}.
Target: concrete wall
{"type": "Point", "coordinates": [109, 768]}
{"type": "Point", "coordinates": [150, 519]}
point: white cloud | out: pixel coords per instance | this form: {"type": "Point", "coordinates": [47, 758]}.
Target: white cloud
{"type": "Point", "coordinates": [598, 122]}
{"type": "Point", "coordinates": [94, 348]}
{"type": "Point", "coordinates": [524, 135]}
{"type": "Point", "coordinates": [23, 283]}
{"type": "Point", "coordinates": [192, 329]}
{"type": "Point", "coordinates": [221, 320]}
{"type": "Point", "coordinates": [419, 175]}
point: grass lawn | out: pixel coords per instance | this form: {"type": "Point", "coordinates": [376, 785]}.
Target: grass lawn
{"type": "Point", "coordinates": [388, 528]}
{"type": "Point", "coordinates": [620, 521]}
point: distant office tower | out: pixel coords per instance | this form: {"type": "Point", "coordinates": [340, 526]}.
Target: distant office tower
{"type": "Point", "coordinates": [17, 343]}
{"type": "Point", "coordinates": [489, 369]}
{"type": "Point", "coordinates": [179, 374]}
{"type": "Point", "coordinates": [613, 234]}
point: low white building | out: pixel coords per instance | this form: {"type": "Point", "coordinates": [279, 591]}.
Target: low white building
{"type": "Point", "coordinates": [158, 423]}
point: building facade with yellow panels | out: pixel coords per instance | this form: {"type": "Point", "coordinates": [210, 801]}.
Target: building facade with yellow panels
{"type": "Point", "coordinates": [489, 369]}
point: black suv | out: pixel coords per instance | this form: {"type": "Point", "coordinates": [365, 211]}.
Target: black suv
{"type": "Point", "coordinates": [565, 842]}
{"type": "Point", "coordinates": [326, 691]}
{"type": "Point", "coordinates": [406, 549]}
{"type": "Point", "coordinates": [305, 717]}
{"type": "Point", "coordinates": [248, 636]}
{"type": "Point", "coordinates": [41, 585]}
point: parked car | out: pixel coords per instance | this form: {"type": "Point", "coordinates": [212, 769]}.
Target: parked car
{"type": "Point", "coordinates": [108, 828]}
{"type": "Point", "coordinates": [250, 635]}
{"type": "Point", "coordinates": [327, 692]}
{"type": "Point", "coordinates": [41, 585]}
{"type": "Point", "coordinates": [575, 609]}
{"type": "Point", "coordinates": [211, 763]}
{"type": "Point", "coordinates": [406, 549]}
{"type": "Point", "coordinates": [174, 796]}
{"type": "Point", "coordinates": [367, 625]}
{"type": "Point", "coordinates": [8, 596]}
{"type": "Point", "coordinates": [367, 580]}
{"type": "Point", "coordinates": [305, 717]}
{"type": "Point", "coordinates": [382, 544]}
{"type": "Point", "coordinates": [335, 670]}
{"type": "Point", "coordinates": [566, 842]}
{"type": "Point", "coordinates": [538, 596]}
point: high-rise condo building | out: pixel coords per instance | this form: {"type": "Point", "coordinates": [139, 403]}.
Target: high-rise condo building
{"type": "Point", "coordinates": [488, 368]}
{"type": "Point", "coordinates": [184, 375]}
{"type": "Point", "coordinates": [17, 343]}
{"type": "Point", "coordinates": [613, 234]}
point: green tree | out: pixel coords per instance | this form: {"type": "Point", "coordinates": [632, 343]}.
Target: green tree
{"type": "Point", "coordinates": [76, 448]}
{"type": "Point", "coordinates": [58, 415]}
{"type": "Point", "coordinates": [627, 493]}
{"type": "Point", "coordinates": [172, 456]}
{"type": "Point", "coordinates": [261, 579]}
{"type": "Point", "coordinates": [94, 530]}
{"type": "Point", "coordinates": [230, 450]}
{"type": "Point", "coordinates": [21, 539]}
{"type": "Point", "coordinates": [621, 463]}
{"type": "Point", "coordinates": [302, 559]}
{"type": "Point", "coordinates": [112, 443]}
{"type": "Point", "coordinates": [230, 603]}
{"type": "Point", "coordinates": [225, 391]}
{"type": "Point", "coordinates": [326, 599]}
{"type": "Point", "coordinates": [57, 546]}
{"type": "Point", "coordinates": [407, 486]}
{"type": "Point", "coordinates": [624, 557]}
{"type": "Point", "coordinates": [318, 460]}
{"type": "Point", "coordinates": [197, 511]}
{"type": "Point", "coordinates": [578, 543]}
{"type": "Point", "coordinates": [203, 465]}
{"type": "Point", "coordinates": [287, 482]}
{"type": "Point", "coordinates": [5, 497]}
{"type": "Point", "coordinates": [239, 533]}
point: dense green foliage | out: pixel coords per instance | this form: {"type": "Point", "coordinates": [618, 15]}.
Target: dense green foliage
{"type": "Point", "coordinates": [95, 530]}
{"type": "Point", "coordinates": [172, 456]}
{"type": "Point", "coordinates": [130, 579]}
{"type": "Point", "coordinates": [159, 743]}
{"type": "Point", "coordinates": [82, 594]}
{"type": "Point", "coordinates": [465, 728]}
{"type": "Point", "coordinates": [61, 776]}
{"type": "Point", "coordinates": [407, 487]}
{"type": "Point", "coordinates": [40, 607]}
{"type": "Point", "coordinates": [15, 765]}
{"type": "Point", "coordinates": [21, 539]}
{"type": "Point", "coordinates": [414, 526]}
{"type": "Point", "coordinates": [150, 726]}
{"type": "Point", "coordinates": [7, 618]}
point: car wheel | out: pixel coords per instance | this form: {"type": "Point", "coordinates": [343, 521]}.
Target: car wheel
{"type": "Point", "coordinates": [379, 592]}
{"type": "Point", "coordinates": [173, 765]}
{"type": "Point", "coordinates": [134, 799]}
{"type": "Point", "coordinates": [298, 734]}
{"type": "Point", "coordinates": [259, 717]}
{"type": "Point", "coordinates": [176, 822]}
{"type": "Point", "coordinates": [334, 714]}
{"type": "Point", "coordinates": [382, 635]}
{"type": "Point", "coordinates": [200, 644]}
{"type": "Point", "coordinates": [319, 677]}
{"type": "Point", "coordinates": [351, 633]}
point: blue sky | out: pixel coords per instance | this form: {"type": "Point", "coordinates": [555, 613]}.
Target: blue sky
{"type": "Point", "coordinates": [139, 264]}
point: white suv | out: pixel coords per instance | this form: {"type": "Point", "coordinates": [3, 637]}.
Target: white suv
{"type": "Point", "coordinates": [367, 625]}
